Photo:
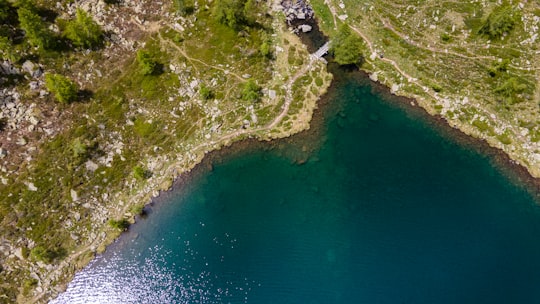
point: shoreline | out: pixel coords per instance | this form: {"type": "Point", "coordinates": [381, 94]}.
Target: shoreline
{"type": "Point", "coordinates": [175, 170]}
{"type": "Point", "coordinates": [517, 173]}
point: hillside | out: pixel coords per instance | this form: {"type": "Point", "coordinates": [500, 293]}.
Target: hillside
{"type": "Point", "coordinates": [104, 103]}
{"type": "Point", "coordinates": [474, 63]}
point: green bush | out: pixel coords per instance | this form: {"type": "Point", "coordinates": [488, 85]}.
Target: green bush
{"type": "Point", "coordinates": [498, 67]}
{"type": "Point", "coordinates": [46, 255]}
{"type": "Point", "coordinates": [83, 31]}
{"type": "Point", "coordinates": [445, 37]}
{"type": "Point", "coordinates": [205, 92]}
{"type": "Point", "coordinates": [346, 47]}
{"type": "Point", "coordinates": [63, 88]}
{"type": "Point", "coordinates": [36, 31]}
{"type": "Point", "coordinates": [265, 50]}
{"type": "Point", "coordinates": [147, 64]}
{"type": "Point", "coordinates": [137, 209]}
{"type": "Point", "coordinates": [122, 224]}
{"type": "Point", "coordinates": [251, 91]}
{"type": "Point", "coordinates": [184, 7]}
{"type": "Point", "coordinates": [510, 88]}
{"type": "Point", "coordinates": [501, 20]}
{"type": "Point", "coordinates": [141, 173]}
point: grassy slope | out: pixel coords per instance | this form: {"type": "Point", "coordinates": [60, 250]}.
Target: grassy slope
{"type": "Point", "coordinates": [157, 122]}
{"type": "Point", "coordinates": [432, 51]}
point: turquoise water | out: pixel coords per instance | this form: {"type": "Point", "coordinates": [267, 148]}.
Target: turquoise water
{"type": "Point", "coordinates": [379, 207]}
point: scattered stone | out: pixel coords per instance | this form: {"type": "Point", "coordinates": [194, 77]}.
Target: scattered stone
{"type": "Point", "coordinates": [22, 141]}
{"type": "Point", "coordinates": [32, 187]}
{"type": "Point", "coordinates": [28, 67]}
{"type": "Point", "coordinates": [74, 195]}
{"type": "Point", "coordinates": [91, 166]}
{"type": "Point", "coordinates": [3, 153]}
{"type": "Point", "coordinates": [272, 94]}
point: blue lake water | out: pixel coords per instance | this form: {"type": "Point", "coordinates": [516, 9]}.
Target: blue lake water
{"type": "Point", "coordinates": [379, 207]}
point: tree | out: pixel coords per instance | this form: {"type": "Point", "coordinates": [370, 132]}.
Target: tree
{"type": "Point", "coordinates": [147, 64]}
{"type": "Point", "coordinates": [229, 12]}
{"type": "Point", "coordinates": [510, 88]}
{"type": "Point", "coordinates": [251, 91]}
{"type": "Point", "coordinates": [4, 10]}
{"type": "Point", "coordinates": [35, 29]}
{"type": "Point", "coordinates": [501, 20]}
{"type": "Point", "coordinates": [346, 46]}
{"type": "Point", "coordinates": [63, 88]}
{"type": "Point", "coordinates": [122, 224]}
{"type": "Point", "coordinates": [183, 7]}
{"type": "Point", "coordinates": [83, 31]}
{"type": "Point", "coordinates": [7, 50]}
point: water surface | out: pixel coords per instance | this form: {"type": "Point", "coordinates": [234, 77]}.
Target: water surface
{"type": "Point", "coordinates": [380, 208]}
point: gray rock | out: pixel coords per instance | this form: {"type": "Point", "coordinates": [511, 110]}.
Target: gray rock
{"type": "Point", "coordinates": [32, 187]}
{"type": "Point", "coordinates": [74, 195]}
{"type": "Point", "coordinates": [37, 73]}
{"type": "Point", "coordinates": [305, 28]}
{"type": "Point", "coordinates": [22, 141]}
{"type": "Point", "coordinates": [3, 153]}
{"type": "Point", "coordinates": [28, 66]}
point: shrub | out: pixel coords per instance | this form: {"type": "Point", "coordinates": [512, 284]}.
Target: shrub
{"type": "Point", "coordinates": [63, 88]}
{"type": "Point", "coordinates": [445, 37]}
{"type": "Point", "coordinates": [251, 91]}
{"type": "Point", "coordinates": [147, 64]}
{"type": "Point", "coordinates": [500, 21]}
{"type": "Point", "coordinates": [346, 47]}
{"type": "Point", "coordinates": [498, 67]}
{"type": "Point", "coordinates": [265, 50]}
{"type": "Point", "coordinates": [138, 209]}
{"type": "Point", "coordinates": [141, 173]}
{"type": "Point", "coordinates": [122, 224]}
{"type": "Point", "coordinates": [45, 255]}
{"type": "Point", "coordinates": [205, 92]}
{"type": "Point", "coordinates": [83, 31]}
{"type": "Point", "coordinates": [184, 7]}
{"type": "Point", "coordinates": [511, 87]}
{"type": "Point", "coordinates": [36, 31]}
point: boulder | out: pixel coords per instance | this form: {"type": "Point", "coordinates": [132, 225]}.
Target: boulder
{"type": "Point", "coordinates": [305, 28]}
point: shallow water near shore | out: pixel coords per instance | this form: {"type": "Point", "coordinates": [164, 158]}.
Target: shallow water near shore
{"type": "Point", "coordinates": [379, 207]}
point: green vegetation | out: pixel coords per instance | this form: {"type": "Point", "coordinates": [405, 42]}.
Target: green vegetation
{"type": "Point", "coordinates": [121, 224]}
{"type": "Point", "coordinates": [36, 31]}
{"type": "Point", "coordinates": [205, 92]}
{"type": "Point", "coordinates": [46, 255]}
{"type": "Point", "coordinates": [510, 89]}
{"type": "Point", "coordinates": [137, 114]}
{"type": "Point", "coordinates": [346, 46]}
{"type": "Point", "coordinates": [251, 91]}
{"type": "Point", "coordinates": [500, 21]}
{"type": "Point", "coordinates": [63, 88]}
{"type": "Point", "coordinates": [83, 31]}
{"type": "Point", "coordinates": [499, 67]}
{"type": "Point", "coordinates": [265, 50]}
{"type": "Point", "coordinates": [183, 7]}
{"type": "Point", "coordinates": [140, 173]}
{"type": "Point", "coordinates": [234, 13]}
{"type": "Point", "coordinates": [147, 64]}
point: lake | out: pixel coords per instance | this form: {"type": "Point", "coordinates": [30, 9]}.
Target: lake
{"type": "Point", "coordinates": [377, 204]}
